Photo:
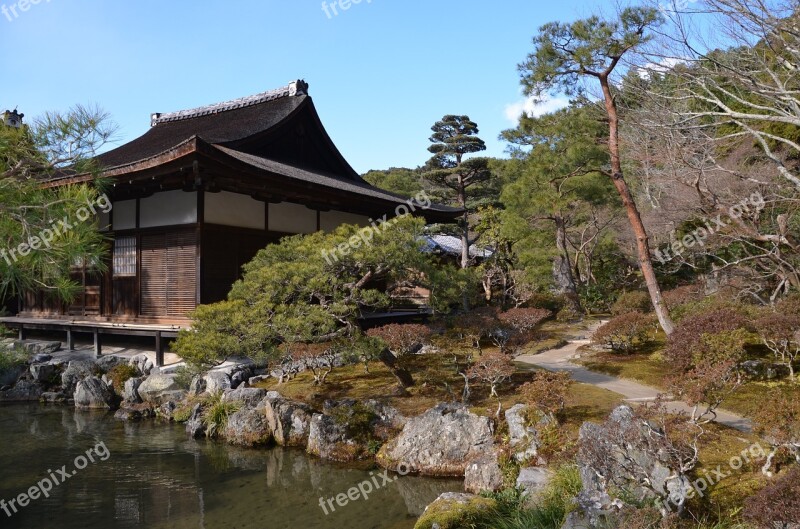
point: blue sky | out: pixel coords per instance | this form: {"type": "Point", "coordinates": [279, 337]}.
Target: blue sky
{"type": "Point", "coordinates": [381, 73]}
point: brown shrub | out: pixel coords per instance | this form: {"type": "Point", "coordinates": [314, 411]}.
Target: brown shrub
{"type": "Point", "coordinates": [401, 339]}
{"type": "Point", "coordinates": [689, 341]}
{"type": "Point", "coordinates": [776, 506]}
{"type": "Point", "coordinates": [625, 332]}
{"type": "Point", "coordinates": [547, 392]}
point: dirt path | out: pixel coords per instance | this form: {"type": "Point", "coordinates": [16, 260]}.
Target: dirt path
{"type": "Point", "coordinates": [559, 360]}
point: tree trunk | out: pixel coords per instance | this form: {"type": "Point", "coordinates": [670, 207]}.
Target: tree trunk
{"type": "Point", "coordinates": [642, 241]}
{"type": "Point", "coordinates": [562, 267]}
{"type": "Point", "coordinates": [402, 375]}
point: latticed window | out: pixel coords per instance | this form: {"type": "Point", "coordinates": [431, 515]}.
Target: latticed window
{"type": "Point", "coordinates": [125, 256]}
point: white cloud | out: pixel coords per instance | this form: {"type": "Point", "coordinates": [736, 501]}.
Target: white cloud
{"type": "Point", "coordinates": [533, 108]}
{"type": "Point", "coordinates": [664, 65]}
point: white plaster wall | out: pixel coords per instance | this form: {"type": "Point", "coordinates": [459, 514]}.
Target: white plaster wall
{"type": "Point", "coordinates": [124, 215]}
{"type": "Point", "coordinates": [167, 209]}
{"type": "Point", "coordinates": [292, 218]}
{"type": "Point", "coordinates": [233, 209]}
{"type": "Point", "coordinates": [330, 220]}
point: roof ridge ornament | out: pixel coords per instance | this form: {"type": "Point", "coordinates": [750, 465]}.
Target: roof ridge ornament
{"type": "Point", "coordinates": [295, 88]}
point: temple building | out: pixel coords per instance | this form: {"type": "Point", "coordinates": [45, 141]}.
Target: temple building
{"type": "Point", "coordinates": [197, 196]}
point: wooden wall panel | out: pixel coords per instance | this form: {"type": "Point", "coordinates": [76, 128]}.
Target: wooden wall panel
{"type": "Point", "coordinates": [168, 281]}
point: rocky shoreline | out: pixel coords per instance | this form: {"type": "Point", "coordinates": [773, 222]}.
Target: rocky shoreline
{"type": "Point", "coordinates": [445, 441]}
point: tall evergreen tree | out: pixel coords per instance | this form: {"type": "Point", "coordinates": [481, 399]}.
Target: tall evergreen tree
{"type": "Point", "coordinates": [565, 56]}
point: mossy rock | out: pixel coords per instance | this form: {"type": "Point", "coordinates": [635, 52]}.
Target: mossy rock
{"type": "Point", "coordinates": [454, 511]}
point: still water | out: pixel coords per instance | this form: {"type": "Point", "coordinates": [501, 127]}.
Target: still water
{"type": "Point", "coordinates": [155, 477]}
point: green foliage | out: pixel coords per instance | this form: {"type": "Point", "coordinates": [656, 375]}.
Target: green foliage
{"type": "Point", "coordinates": [11, 358]}
{"type": "Point", "coordinates": [217, 413]}
{"type": "Point", "coordinates": [626, 332]}
{"type": "Point", "coordinates": [121, 374]}
{"type": "Point", "coordinates": [633, 301]}
{"type": "Point", "coordinates": [185, 374]}
{"type": "Point", "coordinates": [406, 182]}
{"type": "Point", "coordinates": [357, 420]}
{"type": "Point", "coordinates": [30, 213]}
{"type": "Point", "coordinates": [306, 289]}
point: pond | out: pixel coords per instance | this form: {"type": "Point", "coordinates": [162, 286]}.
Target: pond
{"type": "Point", "coordinates": [104, 473]}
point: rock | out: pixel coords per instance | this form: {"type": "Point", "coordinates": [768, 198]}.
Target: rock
{"type": "Point", "coordinates": [134, 412]}
{"type": "Point", "coordinates": [143, 364]}
{"type": "Point", "coordinates": [453, 510]}
{"type": "Point", "coordinates": [194, 426]}
{"type": "Point", "coordinates": [167, 410]}
{"type": "Point", "coordinates": [440, 442]}
{"type": "Point", "coordinates": [76, 370]}
{"type": "Point", "coordinates": [576, 520]}
{"type": "Point", "coordinates": [248, 427]}
{"type": "Point", "coordinates": [483, 475]}
{"type": "Point", "coordinates": [158, 389]}
{"type": "Point", "coordinates": [289, 421]}
{"type": "Point", "coordinates": [24, 391]}
{"type": "Point", "coordinates": [217, 382]}
{"type": "Point", "coordinates": [240, 376]}
{"type": "Point", "coordinates": [34, 348]}
{"type": "Point", "coordinates": [625, 466]}
{"type": "Point", "coordinates": [523, 439]}
{"type": "Point", "coordinates": [44, 373]}
{"type": "Point", "coordinates": [11, 375]}
{"type": "Point", "coordinates": [329, 440]}
{"type": "Point", "coordinates": [250, 397]}
{"type": "Point", "coordinates": [533, 480]}
{"type": "Point", "coordinates": [197, 386]}
{"type": "Point", "coordinates": [130, 391]}
{"type": "Point", "coordinates": [94, 394]}
{"type": "Point", "coordinates": [53, 398]}
{"type": "Point", "coordinates": [41, 358]}
{"type": "Point", "coordinates": [252, 381]}
{"type": "Point", "coordinates": [108, 362]}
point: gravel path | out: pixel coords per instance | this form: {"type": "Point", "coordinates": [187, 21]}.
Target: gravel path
{"type": "Point", "coordinates": [559, 360]}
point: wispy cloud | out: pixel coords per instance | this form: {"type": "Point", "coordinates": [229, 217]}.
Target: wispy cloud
{"type": "Point", "coordinates": [532, 107]}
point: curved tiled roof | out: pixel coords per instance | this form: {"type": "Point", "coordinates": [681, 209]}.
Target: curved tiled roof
{"type": "Point", "coordinates": [219, 123]}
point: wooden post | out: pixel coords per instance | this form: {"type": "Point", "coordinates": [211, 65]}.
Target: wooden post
{"type": "Point", "coordinates": [159, 350]}
{"type": "Point", "coordinates": [98, 343]}
{"type": "Point", "coordinates": [70, 340]}
{"type": "Point", "coordinates": [21, 332]}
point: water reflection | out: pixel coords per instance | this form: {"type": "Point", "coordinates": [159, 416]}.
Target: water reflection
{"type": "Point", "coordinates": [157, 478]}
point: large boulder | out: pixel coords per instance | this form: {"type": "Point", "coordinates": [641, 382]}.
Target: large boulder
{"type": "Point", "coordinates": [44, 373]}
{"type": "Point", "coordinates": [250, 397]}
{"type": "Point", "coordinates": [289, 421]}
{"type": "Point", "coordinates": [158, 389]}
{"type": "Point", "coordinates": [197, 386]}
{"type": "Point", "coordinates": [454, 510]}
{"type": "Point", "coordinates": [24, 391]}
{"type": "Point", "coordinates": [143, 363]}
{"type": "Point", "coordinates": [10, 376]}
{"type": "Point", "coordinates": [94, 394]}
{"type": "Point", "coordinates": [248, 427]}
{"type": "Point", "coordinates": [533, 480]}
{"type": "Point", "coordinates": [440, 442]}
{"type": "Point", "coordinates": [76, 371]}
{"type": "Point", "coordinates": [34, 348]}
{"type": "Point", "coordinates": [217, 382]}
{"type": "Point", "coordinates": [108, 362]}
{"type": "Point", "coordinates": [619, 455]}
{"type": "Point", "coordinates": [330, 439]}
{"type": "Point", "coordinates": [484, 475]}
{"type": "Point", "coordinates": [195, 426]}
{"type": "Point", "coordinates": [523, 437]}
{"type": "Point", "coordinates": [130, 391]}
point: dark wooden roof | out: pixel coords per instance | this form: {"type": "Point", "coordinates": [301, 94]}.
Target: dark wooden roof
{"type": "Point", "coordinates": [272, 146]}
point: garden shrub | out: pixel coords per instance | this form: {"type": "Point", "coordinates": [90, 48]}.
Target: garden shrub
{"type": "Point", "coordinates": [777, 506]}
{"type": "Point", "coordinates": [690, 340]}
{"type": "Point", "coordinates": [121, 374]}
{"type": "Point", "coordinates": [624, 333]}
{"type": "Point", "coordinates": [632, 301]}
{"type": "Point", "coordinates": [11, 358]}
